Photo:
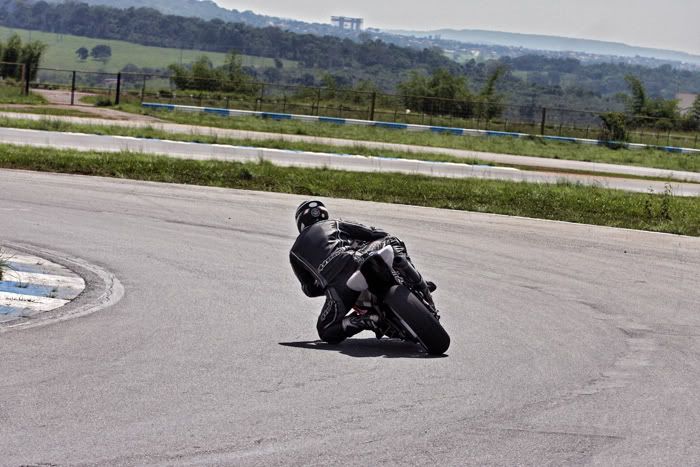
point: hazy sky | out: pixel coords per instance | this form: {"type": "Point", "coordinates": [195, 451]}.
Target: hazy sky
{"type": "Point", "coordinates": [666, 24]}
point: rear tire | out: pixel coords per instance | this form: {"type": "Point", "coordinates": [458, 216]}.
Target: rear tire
{"type": "Point", "coordinates": [418, 319]}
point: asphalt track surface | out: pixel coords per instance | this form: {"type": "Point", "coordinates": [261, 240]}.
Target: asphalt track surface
{"type": "Point", "coordinates": [293, 158]}
{"type": "Point", "coordinates": [542, 163]}
{"type": "Point", "coordinates": [571, 344]}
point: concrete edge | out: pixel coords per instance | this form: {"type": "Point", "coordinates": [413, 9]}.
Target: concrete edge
{"type": "Point", "coordinates": [102, 289]}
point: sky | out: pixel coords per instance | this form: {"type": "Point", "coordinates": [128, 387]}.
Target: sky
{"type": "Point", "coordinates": [667, 24]}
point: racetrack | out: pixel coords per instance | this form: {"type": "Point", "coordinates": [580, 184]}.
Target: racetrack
{"type": "Point", "coordinates": [570, 344]}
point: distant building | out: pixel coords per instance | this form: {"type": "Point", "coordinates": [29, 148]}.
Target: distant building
{"type": "Point", "coordinates": [343, 22]}
{"type": "Point", "coordinates": [685, 101]}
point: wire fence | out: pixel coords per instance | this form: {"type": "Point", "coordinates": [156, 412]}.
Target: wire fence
{"type": "Point", "coordinates": [97, 88]}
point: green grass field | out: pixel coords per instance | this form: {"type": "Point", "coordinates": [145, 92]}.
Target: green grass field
{"type": "Point", "coordinates": [62, 47]}
{"type": "Point", "coordinates": [567, 202]}
{"type": "Point", "coordinates": [48, 111]}
{"type": "Point", "coordinates": [14, 95]}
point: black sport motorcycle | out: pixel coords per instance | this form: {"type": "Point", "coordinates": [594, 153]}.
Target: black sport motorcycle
{"type": "Point", "coordinates": [405, 312]}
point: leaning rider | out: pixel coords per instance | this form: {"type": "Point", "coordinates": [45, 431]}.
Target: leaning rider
{"type": "Point", "coordinates": [326, 253]}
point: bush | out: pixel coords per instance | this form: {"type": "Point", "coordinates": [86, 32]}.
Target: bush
{"type": "Point", "coordinates": [103, 102]}
{"type": "Point", "coordinates": [664, 124]}
{"type": "Point", "coordinates": [614, 127]}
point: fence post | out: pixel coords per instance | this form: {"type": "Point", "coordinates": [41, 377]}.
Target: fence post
{"type": "Point", "coordinates": [119, 89]}
{"type": "Point", "coordinates": [72, 89]}
{"type": "Point", "coordinates": [27, 78]}
{"type": "Point", "coordinates": [143, 89]}
{"type": "Point", "coordinates": [372, 105]}
{"type": "Point", "coordinates": [318, 101]}
{"type": "Point", "coordinates": [544, 120]}
{"type": "Point", "coordinates": [22, 72]}
{"type": "Point", "coordinates": [262, 95]}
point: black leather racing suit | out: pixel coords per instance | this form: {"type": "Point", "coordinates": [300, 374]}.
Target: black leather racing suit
{"type": "Point", "coordinates": [324, 257]}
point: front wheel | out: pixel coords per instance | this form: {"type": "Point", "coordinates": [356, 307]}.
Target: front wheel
{"type": "Point", "coordinates": [418, 320]}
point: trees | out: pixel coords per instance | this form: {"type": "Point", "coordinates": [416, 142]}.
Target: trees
{"type": "Point", "coordinates": [490, 103]}
{"type": "Point", "coordinates": [638, 101]}
{"type": "Point", "coordinates": [101, 53]}
{"type": "Point", "coordinates": [613, 128]}
{"type": "Point", "coordinates": [83, 53]}
{"type": "Point", "coordinates": [644, 111]}
{"type": "Point", "coordinates": [31, 57]}
{"type": "Point", "coordinates": [440, 93]}
{"type": "Point", "coordinates": [695, 109]}
{"type": "Point", "coordinates": [202, 76]}
{"type": "Point", "coordinates": [14, 51]}
{"type": "Point", "coordinates": [232, 74]}
{"type": "Point", "coordinates": [443, 93]}
{"type": "Point", "coordinates": [11, 54]}
{"type": "Point", "coordinates": [149, 27]}
{"type": "Point", "coordinates": [692, 119]}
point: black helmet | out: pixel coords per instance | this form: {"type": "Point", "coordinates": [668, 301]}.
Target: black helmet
{"type": "Point", "coordinates": [310, 212]}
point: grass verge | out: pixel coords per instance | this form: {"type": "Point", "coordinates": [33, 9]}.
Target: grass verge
{"type": "Point", "coordinates": [15, 95]}
{"type": "Point", "coordinates": [48, 111]}
{"type": "Point", "coordinates": [151, 133]}
{"type": "Point", "coordinates": [535, 147]}
{"type": "Point", "coordinates": [565, 202]}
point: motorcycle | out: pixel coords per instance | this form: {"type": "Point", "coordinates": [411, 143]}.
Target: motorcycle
{"type": "Point", "coordinates": [405, 312]}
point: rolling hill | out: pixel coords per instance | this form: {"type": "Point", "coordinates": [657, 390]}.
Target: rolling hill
{"type": "Point", "coordinates": [61, 53]}
{"type": "Point", "coordinates": [553, 43]}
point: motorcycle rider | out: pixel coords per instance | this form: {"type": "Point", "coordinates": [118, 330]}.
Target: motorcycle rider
{"type": "Point", "coordinates": [324, 256]}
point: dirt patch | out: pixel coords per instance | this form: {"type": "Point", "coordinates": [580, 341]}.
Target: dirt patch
{"type": "Point", "coordinates": [60, 99]}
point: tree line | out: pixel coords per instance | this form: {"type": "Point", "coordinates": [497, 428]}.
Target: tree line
{"type": "Point", "coordinates": [203, 76]}
{"type": "Point", "coordinates": [100, 52]}
{"type": "Point", "coordinates": [149, 27]}
{"type": "Point", "coordinates": [642, 111]}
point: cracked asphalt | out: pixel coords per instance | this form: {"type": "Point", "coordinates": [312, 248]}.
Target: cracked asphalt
{"type": "Point", "coordinates": [571, 344]}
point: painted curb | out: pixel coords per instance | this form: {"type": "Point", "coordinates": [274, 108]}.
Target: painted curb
{"type": "Point", "coordinates": [407, 126]}
{"type": "Point", "coordinates": [78, 288]}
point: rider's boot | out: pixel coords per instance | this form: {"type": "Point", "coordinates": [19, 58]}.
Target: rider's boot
{"type": "Point", "coordinates": [413, 277]}
{"type": "Point", "coordinates": [353, 324]}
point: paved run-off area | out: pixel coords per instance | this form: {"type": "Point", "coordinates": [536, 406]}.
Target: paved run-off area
{"type": "Point", "coordinates": [32, 285]}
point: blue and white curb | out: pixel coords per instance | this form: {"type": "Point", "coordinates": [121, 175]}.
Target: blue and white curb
{"type": "Point", "coordinates": [32, 285]}
{"type": "Point", "coordinates": [407, 126]}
